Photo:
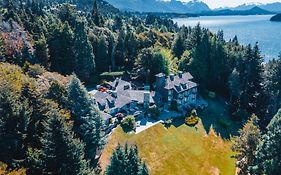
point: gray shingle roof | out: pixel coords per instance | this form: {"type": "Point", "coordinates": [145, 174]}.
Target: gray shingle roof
{"type": "Point", "coordinates": [107, 100]}
{"type": "Point", "coordinates": [180, 84]}
{"type": "Point", "coordinates": [138, 95]}
{"type": "Point", "coordinates": [119, 84]}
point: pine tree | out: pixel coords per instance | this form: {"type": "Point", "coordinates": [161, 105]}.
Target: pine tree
{"type": "Point", "coordinates": [268, 151]}
{"type": "Point", "coordinates": [60, 43]}
{"type": "Point", "coordinates": [15, 113]}
{"type": "Point", "coordinates": [144, 170]}
{"type": "Point", "coordinates": [2, 49]}
{"type": "Point", "coordinates": [26, 55]}
{"type": "Point", "coordinates": [61, 153]}
{"type": "Point", "coordinates": [273, 84]}
{"type": "Point", "coordinates": [126, 161]}
{"type": "Point", "coordinates": [95, 14]}
{"type": "Point", "coordinates": [199, 66]}
{"type": "Point", "coordinates": [42, 52]}
{"type": "Point", "coordinates": [178, 46]}
{"type": "Point", "coordinates": [88, 124]}
{"type": "Point", "coordinates": [118, 162]}
{"type": "Point", "coordinates": [245, 145]}
{"type": "Point", "coordinates": [134, 161]}
{"type": "Point", "coordinates": [84, 57]}
{"type": "Point", "coordinates": [120, 48]}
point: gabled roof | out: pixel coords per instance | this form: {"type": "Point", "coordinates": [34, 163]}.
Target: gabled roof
{"type": "Point", "coordinates": [138, 95]}
{"type": "Point", "coordinates": [180, 83]}
{"type": "Point", "coordinates": [119, 84]}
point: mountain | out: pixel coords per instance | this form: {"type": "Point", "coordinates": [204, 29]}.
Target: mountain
{"type": "Point", "coordinates": [253, 11]}
{"type": "Point", "coordinates": [172, 6]}
{"type": "Point", "coordinates": [198, 5]}
{"type": "Point", "coordinates": [273, 7]}
{"type": "Point", "coordinates": [246, 6]}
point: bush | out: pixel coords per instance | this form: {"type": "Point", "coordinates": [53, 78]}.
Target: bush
{"type": "Point", "coordinates": [168, 123]}
{"type": "Point", "coordinates": [129, 123]}
{"type": "Point", "coordinates": [193, 119]}
{"type": "Point", "coordinates": [154, 112]}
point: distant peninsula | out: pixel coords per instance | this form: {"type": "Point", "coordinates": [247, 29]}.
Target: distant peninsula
{"type": "Point", "coordinates": [276, 18]}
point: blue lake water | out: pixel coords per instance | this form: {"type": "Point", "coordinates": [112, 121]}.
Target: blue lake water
{"type": "Point", "coordinates": [249, 30]}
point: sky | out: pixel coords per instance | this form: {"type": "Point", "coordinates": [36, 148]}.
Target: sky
{"type": "Point", "coordinates": [232, 3]}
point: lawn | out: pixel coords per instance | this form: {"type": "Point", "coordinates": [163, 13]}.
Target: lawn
{"type": "Point", "coordinates": [177, 150]}
{"type": "Point", "coordinates": [217, 116]}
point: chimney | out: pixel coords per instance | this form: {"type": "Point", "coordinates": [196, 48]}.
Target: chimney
{"type": "Point", "coordinates": [172, 77]}
{"type": "Point", "coordinates": [180, 74]}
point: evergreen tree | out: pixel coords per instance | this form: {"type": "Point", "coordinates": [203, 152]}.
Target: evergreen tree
{"type": "Point", "coordinates": [131, 46]}
{"type": "Point", "coordinates": [273, 84]}
{"type": "Point", "coordinates": [61, 153]}
{"type": "Point", "coordinates": [15, 115]}
{"type": "Point", "coordinates": [95, 14]}
{"type": "Point", "coordinates": [88, 124]}
{"type": "Point", "coordinates": [2, 49]}
{"type": "Point", "coordinates": [268, 151]}
{"type": "Point", "coordinates": [126, 161]}
{"type": "Point", "coordinates": [42, 52]}
{"type": "Point", "coordinates": [120, 48]}
{"type": "Point", "coordinates": [134, 160]}
{"type": "Point", "coordinates": [198, 65]}
{"type": "Point", "coordinates": [60, 43]}
{"type": "Point", "coordinates": [178, 46]}
{"type": "Point", "coordinates": [102, 56]}
{"type": "Point", "coordinates": [26, 55]}
{"type": "Point", "coordinates": [84, 57]}
{"type": "Point", "coordinates": [118, 162]}
{"type": "Point", "coordinates": [144, 170]}
{"type": "Point", "coordinates": [245, 145]}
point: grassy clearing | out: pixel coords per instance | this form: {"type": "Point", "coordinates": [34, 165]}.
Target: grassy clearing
{"type": "Point", "coordinates": [217, 116]}
{"type": "Point", "coordinates": [177, 150]}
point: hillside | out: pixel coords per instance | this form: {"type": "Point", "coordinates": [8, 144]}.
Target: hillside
{"type": "Point", "coordinates": [177, 150]}
{"type": "Point", "coordinates": [276, 18]}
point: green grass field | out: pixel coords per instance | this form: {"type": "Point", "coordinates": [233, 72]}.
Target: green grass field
{"type": "Point", "coordinates": [177, 151]}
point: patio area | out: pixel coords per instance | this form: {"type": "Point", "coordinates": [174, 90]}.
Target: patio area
{"type": "Point", "coordinates": [146, 123]}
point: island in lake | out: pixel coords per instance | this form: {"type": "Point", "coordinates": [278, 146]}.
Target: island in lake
{"type": "Point", "coordinates": [276, 18]}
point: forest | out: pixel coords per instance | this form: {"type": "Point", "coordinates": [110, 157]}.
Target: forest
{"type": "Point", "coordinates": [51, 50]}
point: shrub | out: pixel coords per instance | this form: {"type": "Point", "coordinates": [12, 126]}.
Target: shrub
{"type": "Point", "coordinates": [168, 123]}
{"type": "Point", "coordinates": [154, 112]}
{"type": "Point", "coordinates": [193, 119]}
{"type": "Point", "coordinates": [129, 123]}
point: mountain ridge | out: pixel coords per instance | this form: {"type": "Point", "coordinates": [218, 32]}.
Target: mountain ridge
{"type": "Point", "coordinates": [172, 6]}
{"type": "Point", "coordinates": [273, 7]}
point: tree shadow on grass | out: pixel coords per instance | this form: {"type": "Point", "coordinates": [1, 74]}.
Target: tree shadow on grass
{"type": "Point", "coordinates": [217, 116]}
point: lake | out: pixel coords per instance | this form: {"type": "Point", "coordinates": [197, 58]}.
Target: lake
{"type": "Point", "coordinates": [249, 30]}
